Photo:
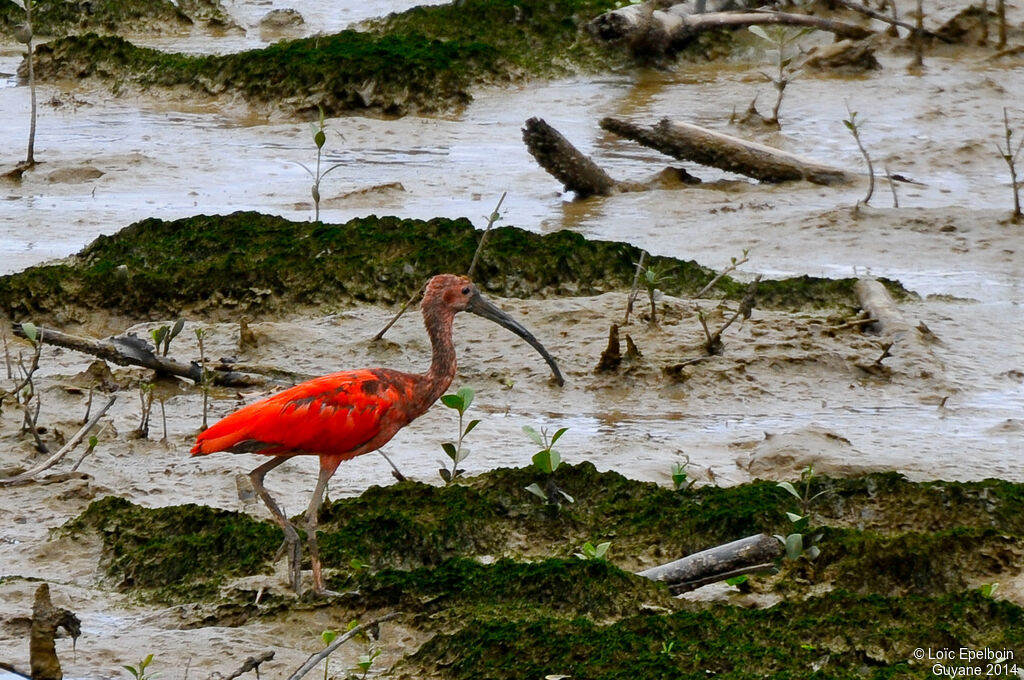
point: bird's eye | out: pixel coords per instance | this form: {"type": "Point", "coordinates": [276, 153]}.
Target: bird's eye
{"type": "Point", "coordinates": [465, 291]}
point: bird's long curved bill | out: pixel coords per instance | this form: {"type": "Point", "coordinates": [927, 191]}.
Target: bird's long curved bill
{"type": "Point", "coordinates": [483, 307]}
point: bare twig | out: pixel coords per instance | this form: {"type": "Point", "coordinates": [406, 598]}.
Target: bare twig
{"type": "Point", "coordinates": [892, 186]}
{"type": "Point", "coordinates": [316, 658]}
{"type": "Point", "coordinates": [713, 344]}
{"type": "Point", "coordinates": [491, 219]}
{"type": "Point", "coordinates": [864, 9]}
{"type": "Point", "coordinates": [55, 458]}
{"type": "Point", "coordinates": [635, 290]}
{"type": "Point", "coordinates": [853, 324]}
{"type": "Point", "coordinates": [854, 127]}
{"type": "Point", "coordinates": [408, 303]}
{"type": "Point", "coordinates": [252, 663]}
{"type": "Point", "coordinates": [732, 267]}
{"type": "Point", "coordinates": [1009, 154]}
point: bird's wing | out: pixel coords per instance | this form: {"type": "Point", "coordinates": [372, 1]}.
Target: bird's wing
{"type": "Point", "coordinates": [334, 414]}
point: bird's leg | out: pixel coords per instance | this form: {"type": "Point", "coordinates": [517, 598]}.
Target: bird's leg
{"type": "Point", "coordinates": [291, 536]}
{"type": "Point", "coordinates": [312, 518]}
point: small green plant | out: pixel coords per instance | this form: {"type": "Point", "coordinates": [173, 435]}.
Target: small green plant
{"type": "Point", "coordinates": [366, 661]}
{"type": "Point", "coordinates": [680, 479]}
{"type": "Point", "coordinates": [357, 564]}
{"type": "Point", "coordinates": [989, 589]}
{"type": "Point", "coordinates": [319, 138]}
{"type": "Point", "coordinates": [1009, 154]}
{"type": "Point", "coordinates": [139, 672]}
{"type": "Point", "coordinates": [459, 401]}
{"type": "Point", "coordinates": [796, 542]}
{"type": "Point", "coordinates": [163, 335]}
{"type": "Point", "coordinates": [146, 404]}
{"type": "Point", "coordinates": [666, 648]}
{"type": "Point", "coordinates": [547, 460]}
{"type": "Point", "coordinates": [206, 377]}
{"type": "Point", "coordinates": [593, 552]}
{"type": "Point", "coordinates": [328, 636]}
{"type": "Point", "coordinates": [853, 125]}
{"type": "Point", "coordinates": [25, 394]}
{"type": "Point", "coordinates": [652, 278]}
{"type": "Point", "coordinates": [781, 39]}
{"type": "Point", "coordinates": [736, 581]}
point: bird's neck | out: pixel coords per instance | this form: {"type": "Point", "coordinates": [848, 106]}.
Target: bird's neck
{"type": "Point", "coordinates": [443, 362]}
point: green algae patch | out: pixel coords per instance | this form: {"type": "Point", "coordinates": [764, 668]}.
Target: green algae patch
{"type": "Point", "coordinates": [511, 590]}
{"type": "Point", "coordinates": [182, 551]}
{"type": "Point", "coordinates": [61, 18]}
{"type": "Point", "coordinates": [262, 263]}
{"type": "Point", "coordinates": [422, 61]}
{"type": "Point", "coordinates": [838, 635]}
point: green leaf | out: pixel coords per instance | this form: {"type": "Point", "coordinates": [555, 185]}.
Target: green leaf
{"type": "Point", "coordinates": [813, 552]}
{"type": "Point", "coordinates": [794, 546]}
{"type": "Point", "coordinates": [759, 32]}
{"type": "Point", "coordinates": [601, 548]}
{"type": "Point", "coordinates": [793, 517]}
{"type": "Point", "coordinates": [788, 486]}
{"type": "Point", "coordinates": [469, 428]}
{"type": "Point", "coordinates": [328, 636]}
{"type": "Point", "coordinates": [446, 475]}
{"type": "Point", "coordinates": [30, 331]}
{"type": "Point", "coordinates": [466, 394]}
{"type": "Point", "coordinates": [532, 434]}
{"type": "Point", "coordinates": [453, 401]}
{"type": "Point", "coordinates": [450, 450]}
{"type": "Point", "coordinates": [319, 139]}
{"type": "Point", "coordinates": [542, 461]}
{"type": "Point", "coordinates": [537, 491]}
{"type": "Point", "coordinates": [554, 459]}
{"type": "Point", "coordinates": [566, 496]}
{"type": "Point", "coordinates": [178, 325]}
{"type": "Point", "coordinates": [561, 431]}
{"type": "Point", "coordinates": [463, 454]}
{"type": "Point", "coordinates": [736, 580]}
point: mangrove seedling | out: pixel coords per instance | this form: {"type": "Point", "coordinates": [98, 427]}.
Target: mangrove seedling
{"type": "Point", "coordinates": [795, 542]}
{"type": "Point", "coordinates": [139, 672]}
{"type": "Point", "coordinates": [853, 125]}
{"type": "Point", "coordinates": [459, 401]}
{"type": "Point", "coordinates": [781, 39]}
{"type": "Point", "coordinates": [593, 552]}
{"type": "Point", "coordinates": [547, 460]}
{"type": "Point", "coordinates": [146, 405]}
{"type": "Point", "coordinates": [206, 378]}
{"type": "Point", "coordinates": [805, 498]}
{"type": "Point", "coordinates": [652, 278]}
{"type": "Point", "coordinates": [1009, 154]}
{"type": "Point", "coordinates": [319, 138]}
{"type": "Point", "coordinates": [163, 335]}
{"type": "Point", "coordinates": [366, 661]}
{"type": "Point", "coordinates": [25, 394]}
{"type": "Point", "coordinates": [680, 479]}
{"type": "Point", "coordinates": [23, 34]}
{"type": "Point", "coordinates": [328, 636]}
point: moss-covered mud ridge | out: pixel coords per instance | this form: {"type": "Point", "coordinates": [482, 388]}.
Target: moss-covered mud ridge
{"type": "Point", "coordinates": [262, 263]}
{"type": "Point", "coordinates": [423, 60]}
{"type": "Point", "coordinates": [486, 572]}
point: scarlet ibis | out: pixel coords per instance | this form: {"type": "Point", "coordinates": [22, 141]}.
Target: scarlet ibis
{"type": "Point", "coordinates": [343, 415]}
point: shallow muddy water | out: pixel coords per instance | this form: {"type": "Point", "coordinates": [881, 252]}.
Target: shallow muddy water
{"type": "Point", "coordinates": [949, 241]}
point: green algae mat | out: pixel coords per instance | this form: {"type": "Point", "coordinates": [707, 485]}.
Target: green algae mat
{"type": "Point", "coordinates": [262, 263]}
{"type": "Point", "coordinates": [486, 571]}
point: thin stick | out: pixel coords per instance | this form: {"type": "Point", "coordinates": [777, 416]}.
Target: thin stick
{"type": "Point", "coordinates": [892, 187]}
{"type": "Point", "coordinates": [316, 658]}
{"type": "Point", "coordinates": [7, 355]}
{"type": "Point", "coordinates": [396, 317]}
{"type": "Point", "coordinates": [494, 217]}
{"type": "Point", "coordinates": [635, 290]}
{"type": "Point", "coordinates": [55, 458]}
{"type": "Point", "coordinates": [734, 265]}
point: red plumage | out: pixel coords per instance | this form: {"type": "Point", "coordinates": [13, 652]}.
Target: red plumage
{"type": "Point", "coordinates": [333, 415]}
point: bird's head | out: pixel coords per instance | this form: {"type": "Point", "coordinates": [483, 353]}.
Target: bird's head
{"type": "Point", "coordinates": [459, 294]}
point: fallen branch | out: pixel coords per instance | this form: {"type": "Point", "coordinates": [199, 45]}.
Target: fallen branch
{"type": "Point", "coordinates": [743, 556]}
{"type": "Point", "coordinates": [874, 14]}
{"type": "Point", "coordinates": [252, 663]}
{"type": "Point", "coordinates": [878, 304]}
{"type": "Point", "coordinates": [128, 350]}
{"type": "Point", "coordinates": [316, 658]}
{"type": "Point", "coordinates": [27, 476]}
{"type": "Point", "coordinates": [646, 31]}
{"type": "Point", "coordinates": [686, 141]}
{"type": "Point", "coordinates": [554, 153]}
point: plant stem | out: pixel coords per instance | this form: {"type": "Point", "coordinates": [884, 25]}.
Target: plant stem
{"type": "Point", "coordinates": [31, 158]}
{"type": "Point", "coordinates": [490, 223]}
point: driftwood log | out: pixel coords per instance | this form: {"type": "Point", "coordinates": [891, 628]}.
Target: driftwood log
{"type": "Point", "coordinates": [46, 619]}
{"type": "Point", "coordinates": [907, 342]}
{"type": "Point", "coordinates": [129, 350]}
{"type": "Point", "coordinates": [554, 153]}
{"type": "Point", "coordinates": [689, 142]}
{"type": "Point", "coordinates": [648, 31]}
{"type": "Point", "coordinates": [743, 556]}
